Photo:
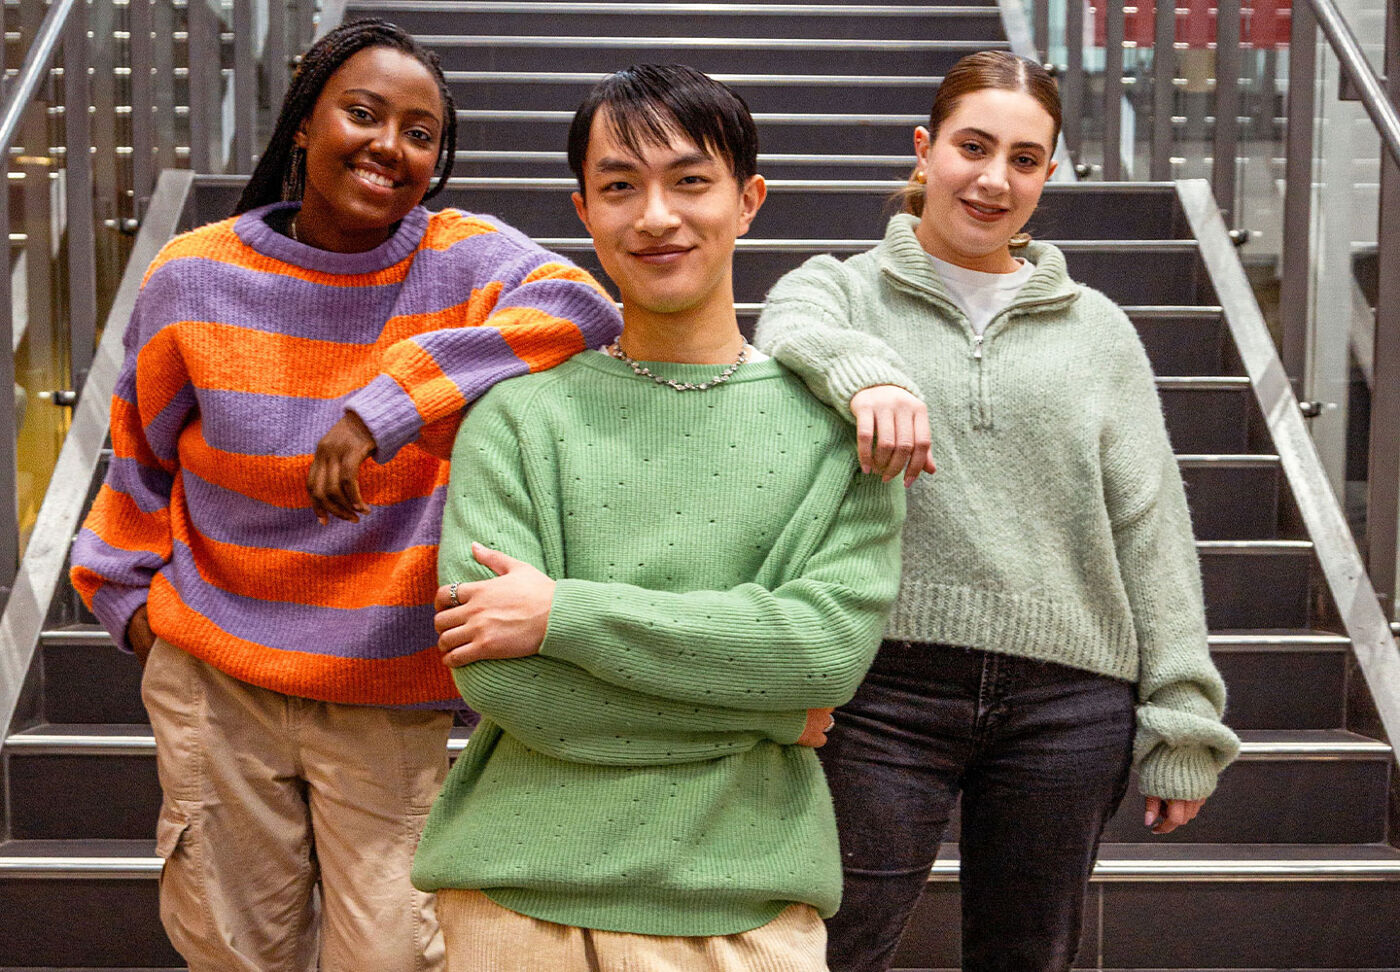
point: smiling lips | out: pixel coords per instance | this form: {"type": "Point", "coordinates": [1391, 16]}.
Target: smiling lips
{"type": "Point", "coordinates": [982, 211]}
{"type": "Point", "coordinates": [660, 255]}
{"type": "Point", "coordinates": [373, 178]}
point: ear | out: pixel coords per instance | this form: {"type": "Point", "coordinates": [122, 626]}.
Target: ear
{"type": "Point", "coordinates": [922, 143]}
{"type": "Point", "coordinates": [299, 137]}
{"type": "Point", "coordinates": [581, 208]}
{"type": "Point", "coordinates": [750, 199]}
{"type": "Point", "coordinates": [1051, 171]}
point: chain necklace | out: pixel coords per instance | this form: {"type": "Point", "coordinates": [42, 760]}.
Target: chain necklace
{"type": "Point", "coordinates": [643, 371]}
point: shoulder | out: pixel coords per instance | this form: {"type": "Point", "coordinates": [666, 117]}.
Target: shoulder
{"type": "Point", "coordinates": [212, 242]}
{"type": "Point", "coordinates": [447, 228]}
{"type": "Point", "coordinates": [521, 398]}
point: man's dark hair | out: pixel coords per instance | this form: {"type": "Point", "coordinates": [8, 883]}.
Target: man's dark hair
{"type": "Point", "coordinates": [280, 173]}
{"type": "Point", "coordinates": [649, 103]}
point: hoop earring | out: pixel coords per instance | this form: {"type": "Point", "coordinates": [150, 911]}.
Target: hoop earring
{"type": "Point", "coordinates": [294, 179]}
{"type": "Point", "coordinates": [1019, 240]}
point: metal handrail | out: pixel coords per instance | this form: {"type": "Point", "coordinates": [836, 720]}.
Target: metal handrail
{"type": "Point", "coordinates": [35, 69]}
{"type": "Point", "coordinates": [41, 570]}
{"type": "Point", "coordinates": [1359, 610]}
{"type": "Point", "coordinates": [1359, 71]}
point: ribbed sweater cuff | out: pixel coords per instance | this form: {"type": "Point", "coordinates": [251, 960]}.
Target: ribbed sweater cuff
{"type": "Point", "coordinates": [114, 606]}
{"type": "Point", "coordinates": [849, 375]}
{"type": "Point", "coordinates": [1180, 773]}
{"type": "Point", "coordinates": [388, 413]}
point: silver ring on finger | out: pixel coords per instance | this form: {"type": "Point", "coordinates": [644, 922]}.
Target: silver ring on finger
{"type": "Point", "coordinates": [452, 593]}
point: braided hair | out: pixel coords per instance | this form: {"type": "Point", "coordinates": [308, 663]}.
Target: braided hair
{"type": "Point", "coordinates": [281, 173]}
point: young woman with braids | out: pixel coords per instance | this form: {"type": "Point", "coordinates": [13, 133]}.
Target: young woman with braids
{"type": "Point", "coordinates": [296, 693]}
{"type": "Point", "coordinates": [1049, 632]}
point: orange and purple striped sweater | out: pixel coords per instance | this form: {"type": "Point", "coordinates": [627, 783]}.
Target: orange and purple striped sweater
{"type": "Point", "coordinates": [244, 348]}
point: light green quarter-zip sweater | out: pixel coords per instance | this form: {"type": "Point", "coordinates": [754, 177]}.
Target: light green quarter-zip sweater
{"type": "Point", "coordinates": [1056, 527]}
{"type": "Point", "coordinates": [722, 567]}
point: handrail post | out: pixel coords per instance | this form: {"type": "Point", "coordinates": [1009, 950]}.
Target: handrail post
{"type": "Point", "coordinates": [1163, 89]}
{"type": "Point", "coordinates": [9, 427]}
{"type": "Point", "coordinates": [143, 139]}
{"type": "Point", "coordinates": [1296, 268]}
{"type": "Point", "coordinates": [1227, 106]}
{"type": "Point", "coordinates": [1383, 484]}
{"type": "Point", "coordinates": [245, 87]}
{"type": "Point", "coordinates": [1072, 94]}
{"type": "Point", "coordinates": [1113, 93]}
{"type": "Point", "coordinates": [78, 208]}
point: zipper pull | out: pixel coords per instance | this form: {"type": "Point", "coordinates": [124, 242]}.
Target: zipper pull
{"type": "Point", "coordinates": [977, 347]}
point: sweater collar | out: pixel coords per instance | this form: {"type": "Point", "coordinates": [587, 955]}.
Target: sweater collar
{"type": "Point", "coordinates": [902, 258]}
{"type": "Point", "coordinates": [252, 228]}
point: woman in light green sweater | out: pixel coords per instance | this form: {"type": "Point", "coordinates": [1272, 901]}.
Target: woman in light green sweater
{"type": "Point", "coordinates": [1050, 630]}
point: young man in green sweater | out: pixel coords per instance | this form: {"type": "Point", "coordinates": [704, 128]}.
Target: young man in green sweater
{"type": "Point", "coordinates": [663, 568]}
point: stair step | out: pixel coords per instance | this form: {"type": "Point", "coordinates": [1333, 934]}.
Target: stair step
{"type": "Point", "coordinates": [1257, 583]}
{"type": "Point", "coordinates": [1232, 496]}
{"type": "Point", "coordinates": [713, 55]}
{"type": "Point", "coordinates": [763, 93]}
{"type": "Point", "coordinates": [668, 19]}
{"type": "Point", "coordinates": [1286, 680]}
{"type": "Point", "coordinates": [58, 773]}
{"type": "Point", "coordinates": [1206, 907]}
{"type": "Point", "coordinates": [63, 899]}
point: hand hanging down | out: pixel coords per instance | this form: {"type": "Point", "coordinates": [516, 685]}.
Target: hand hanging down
{"type": "Point", "coordinates": [334, 477]}
{"type": "Point", "coordinates": [892, 433]}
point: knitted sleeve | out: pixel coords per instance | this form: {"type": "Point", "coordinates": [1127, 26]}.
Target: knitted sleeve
{"type": "Point", "coordinates": [528, 311]}
{"type": "Point", "coordinates": [804, 644]}
{"type": "Point", "coordinates": [125, 539]}
{"type": "Point", "coordinates": [552, 705]}
{"type": "Point", "coordinates": [806, 324]}
{"type": "Point", "coordinates": [1181, 744]}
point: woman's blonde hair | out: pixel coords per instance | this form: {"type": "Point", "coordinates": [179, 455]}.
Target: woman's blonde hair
{"type": "Point", "coordinates": [999, 70]}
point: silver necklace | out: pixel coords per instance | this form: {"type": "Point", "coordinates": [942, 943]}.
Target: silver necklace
{"type": "Point", "coordinates": [293, 228]}
{"type": "Point", "coordinates": [643, 371]}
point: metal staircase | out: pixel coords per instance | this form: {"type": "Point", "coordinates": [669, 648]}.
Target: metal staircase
{"type": "Point", "coordinates": [1289, 866]}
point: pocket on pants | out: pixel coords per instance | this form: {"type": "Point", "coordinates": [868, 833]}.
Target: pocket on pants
{"type": "Point", "coordinates": [171, 827]}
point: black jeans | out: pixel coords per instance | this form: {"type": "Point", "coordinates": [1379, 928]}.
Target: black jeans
{"type": "Point", "coordinates": [1040, 753]}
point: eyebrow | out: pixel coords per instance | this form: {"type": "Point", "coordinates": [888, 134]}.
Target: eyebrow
{"type": "Point", "coordinates": [993, 139]}
{"type": "Point", "coordinates": [610, 163]}
{"type": "Point", "coordinates": [366, 94]}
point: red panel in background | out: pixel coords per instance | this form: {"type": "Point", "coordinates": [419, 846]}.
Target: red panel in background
{"type": "Point", "coordinates": [1264, 23]}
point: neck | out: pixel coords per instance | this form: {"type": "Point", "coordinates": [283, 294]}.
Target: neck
{"type": "Point", "coordinates": [708, 334]}
{"type": "Point", "coordinates": [998, 261]}
{"type": "Point", "coordinates": [311, 228]}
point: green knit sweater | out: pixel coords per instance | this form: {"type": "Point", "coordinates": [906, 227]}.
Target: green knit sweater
{"type": "Point", "coordinates": [1056, 527]}
{"type": "Point", "coordinates": [722, 567]}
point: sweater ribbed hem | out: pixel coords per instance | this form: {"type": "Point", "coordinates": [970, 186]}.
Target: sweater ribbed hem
{"type": "Point", "coordinates": [1014, 624]}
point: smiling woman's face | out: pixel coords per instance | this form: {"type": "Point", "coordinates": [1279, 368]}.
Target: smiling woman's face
{"type": "Point", "coordinates": [371, 144]}
{"type": "Point", "coordinates": [985, 168]}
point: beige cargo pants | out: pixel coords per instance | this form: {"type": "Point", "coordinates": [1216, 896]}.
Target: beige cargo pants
{"type": "Point", "coordinates": [268, 798]}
